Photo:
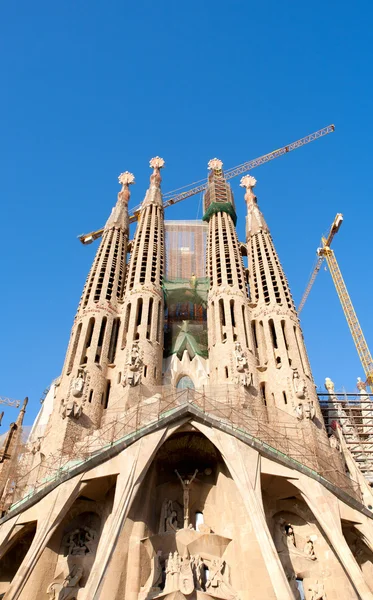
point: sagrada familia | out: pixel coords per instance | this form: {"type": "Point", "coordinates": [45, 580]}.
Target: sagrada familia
{"type": "Point", "coordinates": [183, 452]}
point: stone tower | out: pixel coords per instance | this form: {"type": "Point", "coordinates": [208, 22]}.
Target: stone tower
{"type": "Point", "coordinates": [84, 386]}
{"type": "Point", "coordinates": [231, 356]}
{"type": "Point", "coordinates": [285, 378]}
{"type": "Point", "coordinates": [142, 336]}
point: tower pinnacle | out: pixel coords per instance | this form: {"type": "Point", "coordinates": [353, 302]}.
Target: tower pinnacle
{"type": "Point", "coordinates": [157, 163]}
{"type": "Point", "coordinates": [254, 221]}
{"type": "Point", "coordinates": [119, 214]}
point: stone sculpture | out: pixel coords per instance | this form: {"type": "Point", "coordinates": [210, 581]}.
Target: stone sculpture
{"type": "Point", "coordinates": [77, 384]}
{"type": "Point", "coordinates": [186, 483]}
{"type": "Point", "coordinates": [198, 568]}
{"type": "Point", "coordinates": [305, 410]}
{"type": "Point", "coordinates": [168, 520]}
{"type": "Point", "coordinates": [66, 589]}
{"type": "Point", "coordinates": [317, 591]}
{"type": "Point", "coordinates": [71, 409]}
{"type": "Point", "coordinates": [218, 584]}
{"type": "Point", "coordinates": [81, 541]}
{"type": "Point", "coordinates": [299, 385]}
{"type": "Point", "coordinates": [186, 576]}
{"type": "Point", "coordinates": [309, 549]}
{"type": "Point", "coordinates": [134, 364]}
{"type": "Point", "coordinates": [242, 367]}
{"type": "Point", "coordinates": [329, 385]}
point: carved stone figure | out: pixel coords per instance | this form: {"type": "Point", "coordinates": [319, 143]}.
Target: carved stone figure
{"type": "Point", "coordinates": [134, 363]}
{"type": "Point", "coordinates": [198, 568]}
{"type": "Point", "coordinates": [299, 385]}
{"type": "Point", "coordinates": [186, 577]}
{"type": "Point", "coordinates": [77, 384]}
{"type": "Point", "coordinates": [299, 411]}
{"type": "Point", "coordinates": [166, 506]}
{"type": "Point", "coordinates": [66, 589]}
{"type": "Point", "coordinates": [334, 443]}
{"type": "Point", "coordinates": [36, 446]}
{"type": "Point", "coordinates": [218, 584]}
{"type": "Point", "coordinates": [71, 409]}
{"type": "Point", "coordinates": [173, 566]}
{"type": "Point", "coordinates": [242, 367]}
{"type": "Point", "coordinates": [309, 410]}
{"type": "Point", "coordinates": [309, 549]}
{"type": "Point", "coordinates": [168, 520]}
{"type": "Point", "coordinates": [329, 385]}
{"type": "Point", "coordinates": [186, 483]}
{"type": "Point", "coordinates": [361, 386]}
{"type": "Point", "coordinates": [317, 591]}
{"type": "Point", "coordinates": [289, 532]}
{"type": "Point", "coordinates": [81, 541]}
{"type": "Point", "coordinates": [171, 522]}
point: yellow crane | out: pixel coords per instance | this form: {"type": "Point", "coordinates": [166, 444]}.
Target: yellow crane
{"type": "Point", "coordinates": [357, 333]}
{"type": "Point", "coordinates": [171, 198]}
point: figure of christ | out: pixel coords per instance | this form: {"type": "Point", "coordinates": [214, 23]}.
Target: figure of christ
{"type": "Point", "coordinates": [186, 483]}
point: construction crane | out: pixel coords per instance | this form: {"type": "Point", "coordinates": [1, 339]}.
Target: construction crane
{"type": "Point", "coordinates": [171, 198]}
{"type": "Point", "coordinates": [9, 402]}
{"type": "Point", "coordinates": [357, 333]}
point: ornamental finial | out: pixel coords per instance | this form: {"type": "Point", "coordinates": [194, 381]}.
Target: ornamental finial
{"type": "Point", "coordinates": [248, 182]}
{"type": "Point", "coordinates": [157, 163]}
{"type": "Point", "coordinates": [126, 178]}
{"type": "Point", "coordinates": [215, 164]}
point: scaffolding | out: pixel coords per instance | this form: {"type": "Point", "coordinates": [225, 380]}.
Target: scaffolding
{"type": "Point", "coordinates": [268, 429]}
{"type": "Point", "coordinates": [185, 288]}
{"type": "Point", "coordinates": [354, 413]}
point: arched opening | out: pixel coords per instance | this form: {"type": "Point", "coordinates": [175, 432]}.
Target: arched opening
{"type": "Point", "coordinates": [13, 557]}
{"type": "Point", "coordinates": [363, 555]}
{"type": "Point", "coordinates": [198, 519]}
{"type": "Point", "coordinates": [184, 383]}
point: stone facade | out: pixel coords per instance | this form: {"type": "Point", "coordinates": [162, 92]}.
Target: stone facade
{"type": "Point", "coordinates": [138, 489]}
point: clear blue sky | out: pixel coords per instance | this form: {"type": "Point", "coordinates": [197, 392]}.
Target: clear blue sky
{"type": "Point", "coordinates": [90, 89]}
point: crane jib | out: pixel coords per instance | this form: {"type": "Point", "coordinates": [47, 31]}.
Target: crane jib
{"type": "Point", "coordinates": [229, 174]}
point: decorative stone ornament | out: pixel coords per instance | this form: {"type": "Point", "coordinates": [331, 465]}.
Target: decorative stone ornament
{"type": "Point", "coordinates": [126, 178]}
{"type": "Point", "coordinates": [329, 385]}
{"type": "Point", "coordinates": [248, 182]}
{"type": "Point", "coordinates": [215, 164]}
{"type": "Point", "coordinates": [157, 163]}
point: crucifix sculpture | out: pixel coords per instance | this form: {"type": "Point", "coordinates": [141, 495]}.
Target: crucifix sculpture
{"type": "Point", "coordinates": [186, 483]}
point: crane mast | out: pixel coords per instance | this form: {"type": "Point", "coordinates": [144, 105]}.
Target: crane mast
{"type": "Point", "coordinates": [172, 198]}
{"type": "Point", "coordinates": [350, 314]}
{"type": "Point", "coordinates": [357, 333]}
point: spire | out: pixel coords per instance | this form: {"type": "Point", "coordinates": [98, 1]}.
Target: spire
{"type": "Point", "coordinates": [254, 221]}
{"type": "Point", "coordinates": [119, 214]}
{"type": "Point", "coordinates": [230, 357]}
{"type": "Point", "coordinates": [153, 194]}
{"type": "Point", "coordinates": [218, 197]}
{"type": "Point", "coordinates": [21, 413]}
{"type": "Point", "coordinates": [143, 299]}
{"type": "Point", "coordinates": [13, 437]}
